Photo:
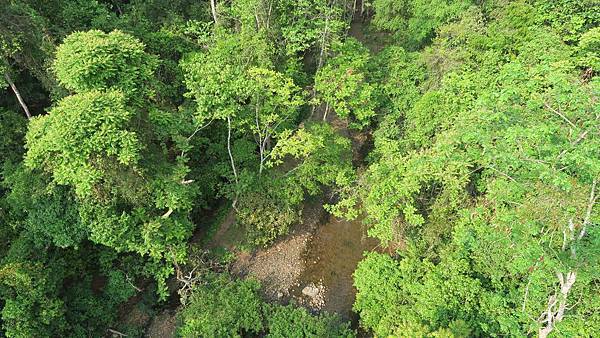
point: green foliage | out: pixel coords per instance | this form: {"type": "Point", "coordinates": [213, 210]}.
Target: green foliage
{"type": "Point", "coordinates": [292, 321]}
{"type": "Point", "coordinates": [589, 44]}
{"type": "Point", "coordinates": [24, 41]}
{"type": "Point", "coordinates": [437, 139]}
{"type": "Point", "coordinates": [309, 23]}
{"type": "Point", "coordinates": [82, 15]}
{"type": "Point", "coordinates": [321, 158]}
{"type": "Point", "coordinates": [324, 158]}
{"type": "Point", "coordinates": [483, 180]}
{"type": "Point", "coordinates": [377, 280]}
{"type": "Point", "coordinates": [233, 308]}
{"type": "Point", "coordinates": [569, 18]}
{"type": "Point", "coordinates": [82, 135]}
{"type": "Point", "coordinates": [343, 86]}
{"type": "Point", "coordinates": [97, 60]}
{"type": "Point", "coordinates": [265, 215]}
{"type": "Point", "coordinates": [46, 211]}
{"type": "Point", "coordinates": [415, 21]}
{"type": "Point", "coordinates": [222, 308]}
{"type": "Point", "coordinates": [33, 283]}
{"type": "Point", "coordinates": [92, 141]}
{"type": "Point", "coordinates": [12, 132]}
{"type": "Point", "coordinates": [30, 310]}
{"type": "Point", "coordinates": [478, 179]}
{"type": "Point", "coordinates": [218, 79]}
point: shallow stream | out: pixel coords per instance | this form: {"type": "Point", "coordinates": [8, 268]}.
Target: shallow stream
{"type": "Point", "coordinates": [330, 260]}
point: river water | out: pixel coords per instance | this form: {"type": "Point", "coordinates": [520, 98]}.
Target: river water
{"type": "Point", "coordinates": [330, 260]}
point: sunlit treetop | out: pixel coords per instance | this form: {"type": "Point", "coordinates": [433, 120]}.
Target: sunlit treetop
{"type": "Point", "coordinates": [97, 60]}
{"type": "Point", "coordinates": [81, 135]}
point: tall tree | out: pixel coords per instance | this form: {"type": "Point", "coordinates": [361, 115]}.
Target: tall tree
{"type": "Point", "coordinates": [101, 142]}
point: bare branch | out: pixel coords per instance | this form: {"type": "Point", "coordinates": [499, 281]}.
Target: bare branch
{"type": "Point", "coordinates": [167, 214]}
{"type": "Point", "coordinates": [132, 285]}
{"type": "Point", "coordinates": [560, 114]}
{"type": "Point", "coordinates": [117, 333]}
{"type": "Point", "coordinates": [17, 94]}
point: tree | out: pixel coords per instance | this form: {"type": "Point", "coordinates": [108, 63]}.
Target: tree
{"type": "Point", "coordinates": [343, 86]}
{"type": "Point", "coordinates": [415, 21]}
{"type": "Point", "coordinates": [95, 60]}
{"type": "Point", "coordinates": [223, 308]}
{"type": "Point", "coordinates": [275, 101]}
{"type": "Point", "coordinates": [24, 42]}
{"type": "Point", "coordinates": [233, 308]}
{"type": "Point", "coordinates": [484, 190]}
{"type": "Point", "coordinates": [101, 142]}
{"type": "Point", "coordinates": [292, 321]}
{"type": "Point", "coordinates": [84, 134]}
{"type": "Point", "coordinates": [324, 159]}
{"type": "Point", "coordinates": [219, 83]}
{"type": "Point", "coordinates": [302, 163]}
{"type": "Point", "coordinates": [12, 129]}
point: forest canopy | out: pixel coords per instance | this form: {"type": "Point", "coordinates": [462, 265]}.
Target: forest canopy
{"type": "Point", "coordinates": [153, 152]}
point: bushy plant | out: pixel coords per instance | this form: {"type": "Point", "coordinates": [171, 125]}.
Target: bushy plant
{"type": "Point", "coordinates": [97, 60]}
{"type": "Point", "coordinates": [293, 321]}
{"type": "Point", "coordinates": [222, 308]}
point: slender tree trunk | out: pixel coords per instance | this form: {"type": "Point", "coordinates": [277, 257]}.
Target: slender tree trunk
{"type": "Point", "coordinates": [321, 57]}
{"type": "Point", "coordinates": [259, 141]}
{"type": "Point", "coordinates": [213, 9]}
{"type": "Point", "coordinates": [269, 14]}
{"type": "Point", "coordinates": [262, 161]}
{"type": "Point", "coordinates": [229, 149]}
{"type": "Point", "coordinates": [17, 94]}
{"type": "Point", "coordinates": [557, 304]}
{"type": "Point", "coordinates": [323, 40]}
{"type": "Point", "coordinates": [326, 112]}
{"type": "Point", "coordinates": [324, 37]}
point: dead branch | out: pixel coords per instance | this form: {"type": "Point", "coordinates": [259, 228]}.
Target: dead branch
{"type": "Point", "coordinates": [560, 114]}
{"type": "Point", "coordinates": [17, 94]}
{"type": "Point", "coordinates": [117, 333]}
{"type": "Point", "coordinates": [557, 303]}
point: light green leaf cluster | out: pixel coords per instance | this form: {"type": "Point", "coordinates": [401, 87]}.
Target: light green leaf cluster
{"type": "Point", "coordinates": [415, 21]}
{"type": "Point", "coordinates": [343, 86]}
{"type": "Point", "coordinates": [95, 60]}
{"type": "Point", "coordinates": [80, 137]}
{"type": "Point", "coordinates": [223, 309]}
{"type": "Point", "coordinates": [234, 308]}
{"type": "Point", "coordinates": [324, 159]}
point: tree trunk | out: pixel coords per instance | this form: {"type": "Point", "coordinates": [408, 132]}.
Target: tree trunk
{"type": "Point", "coordinates": [323, 41]}
{"type": "Point", "coordinates": [262, 161]}
{"type": "Point", "coordinates": [553, 314]}
{"type": "Point", "coordinates": [557, 303]}
{"type": "Point", "coordinates": [326, 112]}
{"type": "Point", "coordinates": [17, 94]}
{"type": "Point", "coordinates": [229, 149]}
{"type": "Point", "coordinates": [213, 9]}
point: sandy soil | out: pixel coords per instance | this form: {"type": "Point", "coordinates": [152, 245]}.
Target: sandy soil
{"type": "Point", "coordinates": [162, 326]}
{"type": "Point", "coordinates": [279, 267]}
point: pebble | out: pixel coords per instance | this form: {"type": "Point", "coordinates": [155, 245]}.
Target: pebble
{"type": "Point", "coordinates": [310, 290]}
